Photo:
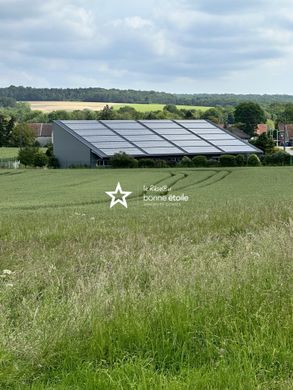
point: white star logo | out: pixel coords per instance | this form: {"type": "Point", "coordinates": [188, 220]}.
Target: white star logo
{"type": "Point", "coordinates": [113, 194]}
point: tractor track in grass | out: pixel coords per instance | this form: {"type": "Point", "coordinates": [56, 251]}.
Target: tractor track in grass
{"type": "Point", "coordinates": [211, 179]}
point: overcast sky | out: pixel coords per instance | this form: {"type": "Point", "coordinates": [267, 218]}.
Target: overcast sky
{"type": "Point", "coordinates": [240, 46]}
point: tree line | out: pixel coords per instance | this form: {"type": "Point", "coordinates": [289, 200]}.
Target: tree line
{"type": "Point", "coordinates": [20, 93]}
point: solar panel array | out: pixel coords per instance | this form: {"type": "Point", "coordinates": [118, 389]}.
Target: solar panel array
{"type": "Point", "coordinates": [155, 137]}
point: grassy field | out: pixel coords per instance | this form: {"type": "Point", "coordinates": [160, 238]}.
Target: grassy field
{"type": "Point", "coordinates": [48, 106]}
{"type": "Point", "coordinates": [192, 295]}
{"type": "Point", "coordinates": [8, 153]}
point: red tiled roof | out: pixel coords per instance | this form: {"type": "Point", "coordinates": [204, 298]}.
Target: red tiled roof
{"type": "Point", "coordinates": [41, 129]}
{"type": "Point", "coordinates": [261, 128]}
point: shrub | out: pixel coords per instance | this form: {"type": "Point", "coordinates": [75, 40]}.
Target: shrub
{"type": "Point", "coordinates": [278, 158]}
{"type": "Point", "coordinates": [253, 161]}
{"type": "Point", "coordinates": [186, 162]}
{"type": "Point", "coordinates": [213, 163]}
{"type": "Point", "coordinates": [227, 160]}
{"type": "Point", "coordinates": [27, 155]}
{"type": "Point", "coordinates": [200, 161]}
{"type": "Point", "coordinates": [123, 160]}
{"type": "Point", "coordinates": [240, 160]}
{"type": "Point", "coordinates": [40, 159]}
{"type": "Point", "coordinates": [146, 163]}
{"type": "Point", "coordinates": [161, 164]}
{"type": "Point", "coordinates": [53, 162]}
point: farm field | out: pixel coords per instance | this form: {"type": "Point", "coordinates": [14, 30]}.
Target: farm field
{"type": "Point", "coordinates": [8, 153]}
{"type": "Point", "coordinates": [48, 106]}
{"type": "Point", "coordinates": [189, 295]}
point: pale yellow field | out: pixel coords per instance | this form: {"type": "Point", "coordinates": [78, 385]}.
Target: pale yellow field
{"type": "Point", "coordinates": [47, 106]}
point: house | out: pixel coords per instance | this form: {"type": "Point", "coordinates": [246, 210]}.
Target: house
{"type": "Point", "coordinates": [285, 133]}
{"type": "Point", "coordinates": [43, 132]}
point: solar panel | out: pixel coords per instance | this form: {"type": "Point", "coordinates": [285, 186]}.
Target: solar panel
{"type": "Point", "coordinates": [133, 132]}
{"type": "Point", "coordinates": [155, 137]}
{"type": "Point", "coordinates": [94, 132]}
{"type": "Point", "coordinates": [146, 137]}
{"type": "Point", "coordinates": [110, 145]}
{"type": "Point", "coordinates": [103, 138]}
{"type": "Point", "coordinates": [202, 149]}
{"type": "Point", "coordinates": [130, 151]}
{"type": "Point", "coordinates": [158, 151]}
{"type": "Point", "coordinates": [187, 143]}
{"type": "Point", "coordinates": [153, 144]}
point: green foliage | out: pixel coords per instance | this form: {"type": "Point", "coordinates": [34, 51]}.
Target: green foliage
{"type": "Point", "coordinates": [22, 135]}
{"type": "Point", "coordinates": [265, 143]}
{"type": "Point", "coordinates": [186, 162]}
{"type": "Point", "coordinates": [200, 161]}
{"type": "Point", "coordinates": [40, 159]}
{"type": "Point", "coordinates": [146, 163]}
{"type": "Point", "coordinates": [6, 127]}
{"type": "Point", "coordinates": [161, 163]}
{"type": "Point", "coordinates": [249, 114]}
{"type": "Point", "coordinates": [240, 160]}
{"type": "Point", "coordinates": [253, 161]}
{"type": "Point", "coordinates": [27, 155]}
{"type": "Point", "coordinates": [123, 160]}
{"type": "Point", "coordinates": [278, 158]}
{"type": "Point", "coordinates": [227, 160]}
{"type": "Point", "coordinates": [32, 157]}
{"type": "Point", "coordinates": [212, 163]}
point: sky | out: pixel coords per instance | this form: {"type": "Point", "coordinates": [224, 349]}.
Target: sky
{"type": "Point", "coordinates": [182, 46]}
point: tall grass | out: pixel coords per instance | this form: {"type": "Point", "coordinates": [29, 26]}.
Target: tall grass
{"type": "Point", "coordinates": [190, 297]}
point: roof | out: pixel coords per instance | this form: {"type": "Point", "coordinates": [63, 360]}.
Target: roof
{"type": "Point", "coordinates": [261, 128]}
{"type": "Point", "coordinates": [288, 127]}
{"type": "Point", "coordinates": [41, 129]}
{"type": "Point", "coordinates": [155, 137]}
{"type": "Point", "coordinates": [239, 133]}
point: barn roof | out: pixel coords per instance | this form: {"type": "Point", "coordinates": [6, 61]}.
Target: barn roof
{"type": "Point", "coordinates": [155, 137]}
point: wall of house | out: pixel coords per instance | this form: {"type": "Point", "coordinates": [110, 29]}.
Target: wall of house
{"type": "Point", "coordinates": [68, 149]}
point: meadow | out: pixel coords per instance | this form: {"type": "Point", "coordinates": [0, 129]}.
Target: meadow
{"type": "Point", "coordinates": [49, 106]}
{"type": "Point", "coordinates": [187, 295]}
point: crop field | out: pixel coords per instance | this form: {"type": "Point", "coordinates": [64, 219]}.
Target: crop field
{"type": "Point", "coordinates": [8, 153]}
{"type": "Point", "coordinates": [186, 294]}
{"type": "Point", "coordinates": [48, 106]}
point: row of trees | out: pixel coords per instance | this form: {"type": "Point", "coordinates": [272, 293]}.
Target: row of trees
{"type": "Point", "coordinates": [15, 134]}
{"type": "Point", "coordinates": [21, 93]}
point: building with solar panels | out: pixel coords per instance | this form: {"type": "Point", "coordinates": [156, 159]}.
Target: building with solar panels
{"type": "Point", "coordinates": [92, 143]}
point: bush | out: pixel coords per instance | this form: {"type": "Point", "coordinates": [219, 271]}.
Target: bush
{"type": "Point", "coordinates": [53, 162]}
{"type": "Point", "coordinates": [227, 160]}
{"type": "Point", "coordinates": [278, 158]}
{"type": "Point", "coordinates": [200, 161]}
{"type": "Point", "coordinates": [186, 162]}
{"type": "Point", "coordinates": [33, 157]}
{"type": "Point", "coordinates": [146, 163]}
{"type": "Point", "coordinates": [253, 161]}
{"type": "Point", "coordinates": [123, 160]}
{"type": "Point", "coordinates": [40, 159]}
{"type": "Point", "coordinates": [213, 163]}
{"type": "Point", "coordinates": [240, 160]}
{"type": "Point", "coordinates": [161, 164]}
{"type": "Point", "coordinates": [27, 155]}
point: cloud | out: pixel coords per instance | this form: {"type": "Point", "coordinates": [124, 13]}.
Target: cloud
{"type": "Point", "coordinates": [177, 45]}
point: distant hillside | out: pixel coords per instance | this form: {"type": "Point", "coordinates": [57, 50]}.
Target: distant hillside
{"type": "Point", "coordinates": [132, 96]}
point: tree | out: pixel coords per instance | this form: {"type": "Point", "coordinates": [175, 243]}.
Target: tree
{"type": "Point", "coordinates": [265, 143]}
{"type": "Point", "coordinates": [6, 127]}
{"type": "Point", "coordinates": [22, 135]}
{"type": "Point", "coordinates": [249, 115]}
